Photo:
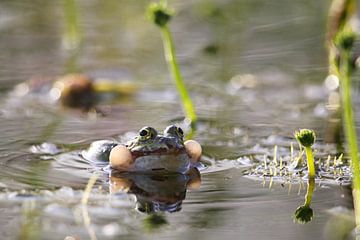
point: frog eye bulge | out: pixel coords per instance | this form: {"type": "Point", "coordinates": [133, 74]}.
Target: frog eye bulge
{"type": "Point", "coordinates": [143, 133]}
{"type": "Point", "coordinates": [180, 131]}
{"type": "Point", "coordinates": [174, 131]}
{"type": "Point", "coordinates": [147, 133]}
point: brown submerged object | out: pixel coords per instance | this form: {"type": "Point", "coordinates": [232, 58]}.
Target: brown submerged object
{"type": "Point", "coordinates": [76, 91]}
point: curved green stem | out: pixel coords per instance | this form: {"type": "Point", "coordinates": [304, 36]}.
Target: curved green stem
{"type": "Point", "coordinates": [175, 71]}
{"type": "Point", "coordinates": [72, 36]}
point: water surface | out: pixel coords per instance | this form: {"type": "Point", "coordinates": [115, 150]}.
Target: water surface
{"type": "Point", "coordinates": [255, 70]}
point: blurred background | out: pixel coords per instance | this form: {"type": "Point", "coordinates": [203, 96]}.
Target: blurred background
{"type": "Point", "coordinates": [255, 70]}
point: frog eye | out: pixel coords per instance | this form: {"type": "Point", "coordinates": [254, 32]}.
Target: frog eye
{"type": "Point", "coordinates": [174, 131]}
{"type": "Point", "coordinates": [143, 132]}
{"type": "Point", "coordinates": [147, 133]}
{"type": "Point", "coordinates": [180, 131]}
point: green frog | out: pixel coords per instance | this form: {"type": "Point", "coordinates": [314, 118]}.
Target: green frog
{"type": "Point", "coordinates": [149, 152]}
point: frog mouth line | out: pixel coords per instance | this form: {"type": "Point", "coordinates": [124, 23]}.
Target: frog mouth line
{"type": "Point", "coordinates": [159, 152]}
{"type": "Point", "coordinates": [158, 169]}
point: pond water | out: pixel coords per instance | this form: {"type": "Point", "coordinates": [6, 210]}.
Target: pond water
{"type": "Point", "coordinates": [255, 70]}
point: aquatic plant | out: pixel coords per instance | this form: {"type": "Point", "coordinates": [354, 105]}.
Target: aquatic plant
{"type": "Point", "coordinates": [306, 139]}
{"type": "Point", "coordinates": [340, 13]}
{"type": "Point", "coordinates": [71, 35]}
{"type": "Point", "coordinates": [30, 221]}
{"type": "Point", "coordinates": [84, 205]}
{"type": "Point", "coordinates": [342, 40]}
{"type": "Point", "coordinates": [154, 221]}
{"type": "Point", "coordinates": [161, 14]}
{"type": "Point", "coordinates": [304, 213]}
{"type": "Point", "coordinates": [289, 168]}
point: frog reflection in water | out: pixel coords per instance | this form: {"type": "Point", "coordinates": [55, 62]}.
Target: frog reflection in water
{"type": "Point", "coordinates": [156, 192]}
{"type": "Point", "coordinates": [149, 152]}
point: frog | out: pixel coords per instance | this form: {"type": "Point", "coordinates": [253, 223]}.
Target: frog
{"type": "Point", "coordinates": [149, 151]}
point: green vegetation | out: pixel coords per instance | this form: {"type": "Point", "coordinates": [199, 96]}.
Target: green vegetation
{"type": "Point", "coordinates": [306, 138]}
{"type": "Point", "coordinates": [154, 221]}
{"type": "Point", "coordinates": [84, 205]}
{"type": "Point", "coordinates": [304, 213]}
{"type": "Point", "coordinates": [344, 43]}
{"type": "Point", "coordinates": [341, 40]}
{"type": "Point", "coordinates": [30, 221]}
{"type": "Point", "coordinates": [340, 13]}
{"type": "Point", "coordinates": [160, 14]}
{"type": "Point", "coordinates": [72, 36]}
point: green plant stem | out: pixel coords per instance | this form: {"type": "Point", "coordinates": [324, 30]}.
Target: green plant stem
{"type": "Point", "coordinates": [350, 130]}
{"type": "Point", "coordinates": [72, 36]}
{"type": "Point", "coordinates": [310, 162]}
{"type": "Point", "coordinates": [84, 204]}
{"type": "Point", "coordinates": [309, 191]}
{"type": "Point", "coordinates": [170, 56]}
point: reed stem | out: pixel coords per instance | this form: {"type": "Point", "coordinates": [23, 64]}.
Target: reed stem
{"type": "Point", "coordinates": [160, 14]}
{"type": "Point", "coordinates": [170, 57]}
{"type": "Point", "coordinates": [72, 35]}
{"type": "Point", "coordinates": [349, 125]}
{"type": "Point", "coordinates": [341, 38]}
